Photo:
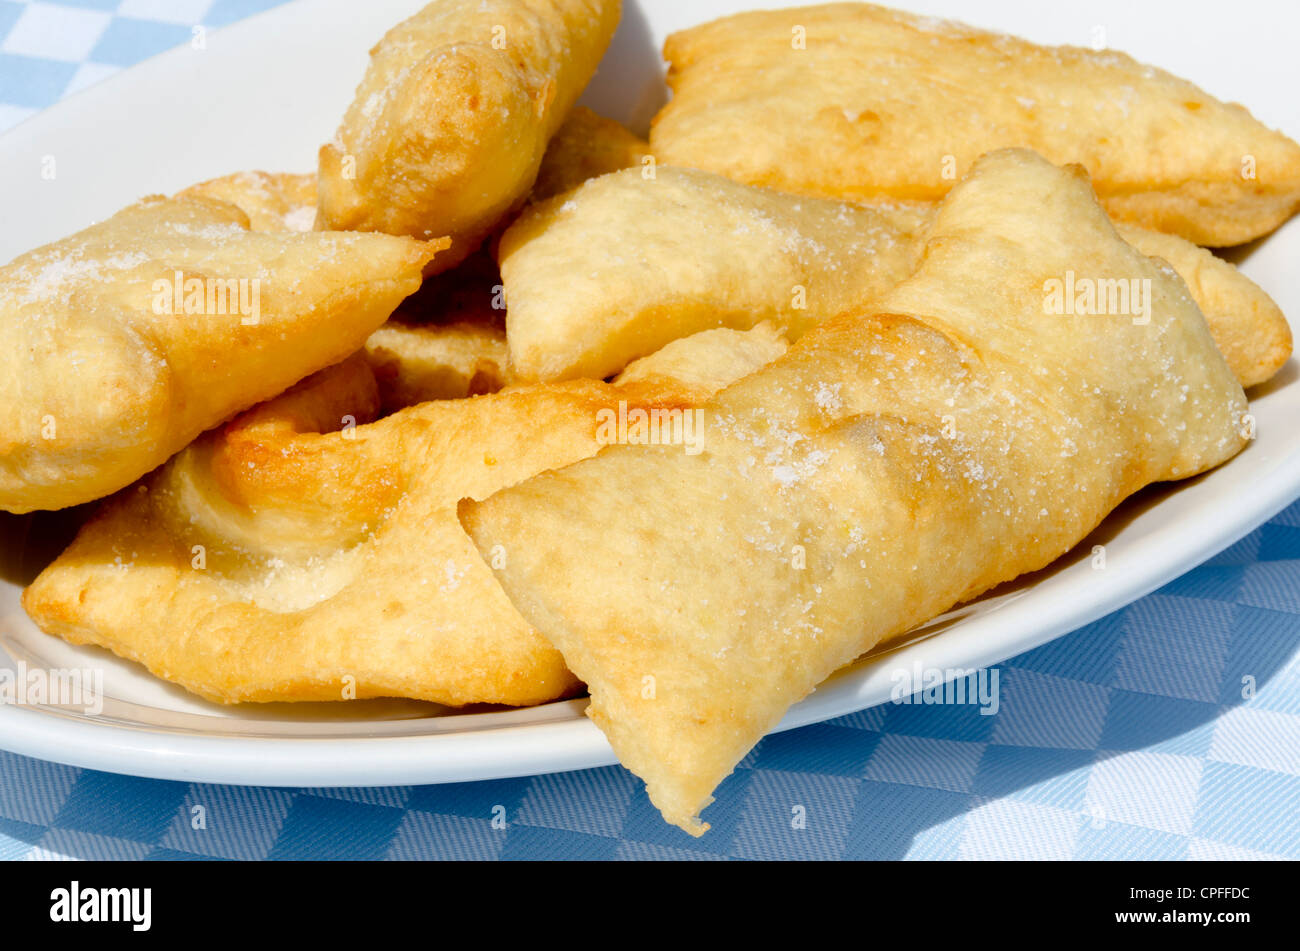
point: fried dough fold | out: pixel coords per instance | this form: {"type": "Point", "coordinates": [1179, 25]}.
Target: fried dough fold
{"type": "Point", "coordinates": [273, 201]}
{"type": "Point", "coordinates": [303, 552]}
{"type": "Point", "coordinates": [708, 355]}
{"type": "Point", "coordinates": [855, 101]}
{"type": "Point", "coordinates": [623, 265]}
{"type": "Point", "coordinates": [127, 340]}
{"type": "Point", "coordinates": [447, 129]}
{"type": "Point", "coordinates": [1248, 327]}
{"type": "Point", "coordinates": [446, 341]}
{"type": "Point", "coordinates": [413, 363]}
{"type": "Point", "coordinates": [961, 431]}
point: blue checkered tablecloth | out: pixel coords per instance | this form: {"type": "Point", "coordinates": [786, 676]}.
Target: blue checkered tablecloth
{"type": "Point", "coordinates": [1138, 736]}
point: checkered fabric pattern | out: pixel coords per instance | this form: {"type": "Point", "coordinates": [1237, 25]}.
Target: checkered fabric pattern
{"type": "Point", "coordinates": [1168, 730]}
{"type": "Point", "coordinates": [52, 48]}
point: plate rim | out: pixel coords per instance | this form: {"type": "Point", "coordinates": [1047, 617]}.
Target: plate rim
{"type": "Point", "coordinates": [566, 745]}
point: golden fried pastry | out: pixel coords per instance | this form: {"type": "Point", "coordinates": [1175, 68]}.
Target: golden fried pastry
{"type": "Point", "coordinates": [272, 201]}
{"type": "Point", "coordinates": [587, 146]}
{"type": "Point", "coordinates": [127, 340]}
{"type": "Point", "coordinates": [449, 125]}
{"type": "Point", "coordinates": [707, 355]}
{"type": "Point", "coordinates": [966, 428]}
{"type": "Point", "coordinates": [302, 552]}
{"type": "Point", "coordinates": [622, 266]}
{"type": "Point", "coordinates": [417, 362]}
{"type": "Point", "coordinates": [445, 342]}
{"type": "Point", "coordinates": [1249, 328]}
{"type": "Point", "coordinates": [855, 101]}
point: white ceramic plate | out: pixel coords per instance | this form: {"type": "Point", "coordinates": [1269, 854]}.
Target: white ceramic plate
{"type": "Point", "coordinates": [265, 92]}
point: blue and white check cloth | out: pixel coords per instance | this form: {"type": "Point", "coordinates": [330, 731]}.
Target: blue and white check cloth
{"type": "Point", "coordinates": [1168, 730]}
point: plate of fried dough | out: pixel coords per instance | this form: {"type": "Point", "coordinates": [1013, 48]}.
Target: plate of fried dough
{"type": "Point", "coordinates": [407, 393]}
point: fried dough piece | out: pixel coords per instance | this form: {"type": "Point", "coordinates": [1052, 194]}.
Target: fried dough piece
{"type": "Point", "coordinates": [1249, 328]}
{"type": "Point", "coordinates": [708, 355]}
{"type": "Point", "coordinates": [105, 374]}
{"type": "Point", "coordinates": [417, 362]}
{"type": "Point", "coordinates": [856, 101]}
{"type": "Point", "coordinates": [330, 547]}
{"type": "Point", "coordinates": [587, 146]}
{"type": "Point", "coordinates": [897, 460]}
{"type": "Point", "coordinates": [449, 125]}
{"type": "Point", "coordinates": [623, 265]}
{"type": "Point", "coordinates": [446, 342]}
{"type": "Point", "coordinates": [273, 201]}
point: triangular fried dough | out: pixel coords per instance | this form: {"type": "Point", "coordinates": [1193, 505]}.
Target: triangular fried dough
{"type": "Point", "coordinates": [445, 343]}
{"type": "Point", "coordinates": [855, 101]}
{"type": "Point", "coordinates": [304, 553]}
{"type": "Point", "coordinates": [968, 428]}
{"type": "Point", "coordinates": [125, 341]}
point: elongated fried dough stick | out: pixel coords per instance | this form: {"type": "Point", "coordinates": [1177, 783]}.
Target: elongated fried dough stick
{"type": "Point", "coordinates": [966, 429]}
{"type": "Point", "coordinates": [449, 125]}
{"type": "Point", "coordinates": [855, 101]}
{"type": "Point", "coordinates": [624, 265]}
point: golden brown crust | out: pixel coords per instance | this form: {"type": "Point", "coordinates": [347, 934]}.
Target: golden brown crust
{"type": "Point", "coordinates": [417, 362]}
{"type": "Point", "coordinates": [958, 433]}
{"type": "Point", "coordinates": [449, 125]}
{"type": "Point", "coordinates": [304, 552]}
{"type": "Point", "coordinates": [621, 266]}
{"type": "Point", "coordinates": [613, 271]}
{"type": "Point", "coordinates": [125, 341]}
{"type": "Point", "coordinates": [708, 355]}
{"type": "Point", "coordinates": [273, 201]}
{"type": "Point", "coordinates": [860, 102]}
{"type": "Point", "coordinates": [1249, 328]}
